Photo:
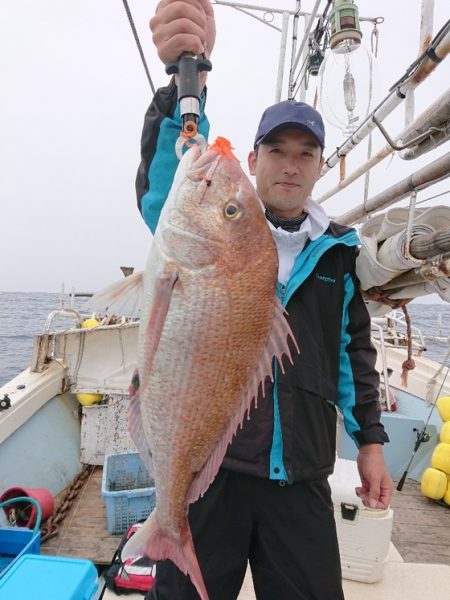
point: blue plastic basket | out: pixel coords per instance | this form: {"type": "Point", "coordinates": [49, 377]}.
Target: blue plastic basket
{"type": "Point", "coordinates": [15, 542]}
{"type": "Point", "coordinates": [128, 491]}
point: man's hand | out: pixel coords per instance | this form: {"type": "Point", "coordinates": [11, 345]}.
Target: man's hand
{"type": "Point", "coordinates": [183, 26]}
{"type": "Point", "coordinates": [376, 483]}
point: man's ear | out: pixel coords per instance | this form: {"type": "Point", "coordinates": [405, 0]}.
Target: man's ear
{"type": "Point", "coordinates": [252, 162]}
{"type": "Point", "coordinates": [322, 160]}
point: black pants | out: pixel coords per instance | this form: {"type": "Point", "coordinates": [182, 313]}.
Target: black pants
{"type": "Point", "coordinates": [287, 533]}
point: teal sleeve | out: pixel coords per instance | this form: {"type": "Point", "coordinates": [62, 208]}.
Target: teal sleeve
{"type": "Point", "coordinates": [162, 128]}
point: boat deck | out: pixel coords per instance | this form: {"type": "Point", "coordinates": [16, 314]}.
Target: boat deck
{"type": "Point", "coordinates": [420, 531]}
{"type": "Point", "coordinates": [421, 526]}
{"type": "Point", "coordinates": [83, 533]}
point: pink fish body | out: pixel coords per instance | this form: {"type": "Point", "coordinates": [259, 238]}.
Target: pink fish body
{"type": "Point", "coordinates": [210, 327]}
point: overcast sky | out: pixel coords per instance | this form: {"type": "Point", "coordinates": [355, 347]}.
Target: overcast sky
{"type": "Point", "coordinates": [73, 98]}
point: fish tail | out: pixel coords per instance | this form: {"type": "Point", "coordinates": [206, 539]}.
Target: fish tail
{"type": "Point", "coordinates": [151, 540]}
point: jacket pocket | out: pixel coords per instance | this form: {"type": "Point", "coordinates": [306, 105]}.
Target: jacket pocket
{"type": "Point", "coordinates": [313, 378]}
{"type": "Point", "coordinates": [313, 434]}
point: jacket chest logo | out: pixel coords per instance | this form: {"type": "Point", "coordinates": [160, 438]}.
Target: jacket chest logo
{"type": "Point", "coordinates": [325, 278]}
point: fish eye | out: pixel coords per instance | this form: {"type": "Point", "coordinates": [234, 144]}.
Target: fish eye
{"type": "Point", "coordinates": [231, 210]}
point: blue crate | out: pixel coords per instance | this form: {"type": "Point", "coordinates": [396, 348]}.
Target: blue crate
{"type": "Point", "coordinates": [40, 577]}
{"type": "Point", "coordinates": [14, 543]}
{"type": "Point", "coordinates": [128, 491]}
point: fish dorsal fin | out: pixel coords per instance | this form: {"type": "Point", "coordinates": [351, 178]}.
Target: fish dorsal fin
{"type": "Point", "coordinates": [277, 345]}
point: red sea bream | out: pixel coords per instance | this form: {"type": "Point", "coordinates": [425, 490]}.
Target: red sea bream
{"type": "Point", "coordinates": [210, 327]}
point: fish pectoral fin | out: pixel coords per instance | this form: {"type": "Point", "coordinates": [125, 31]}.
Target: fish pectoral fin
{"type": "Point", "coordinates": [163, 289]}
{"type": "Point", "coordinates": [163, 293]}
{"type": "Point", "coordinates": [277, 346]}
{"type": "Point", "coordinates": [120, 298]}
{"type": "Point", "coordinates": [137, 434]}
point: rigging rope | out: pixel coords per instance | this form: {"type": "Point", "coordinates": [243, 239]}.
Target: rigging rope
{"type": "Point", "coordinates": [138, 43]}
{"type": "Point", "coordinates": [369, 145]}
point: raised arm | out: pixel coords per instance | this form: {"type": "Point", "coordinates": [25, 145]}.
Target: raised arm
{"type": "Point", "coordinates": [178, 26]}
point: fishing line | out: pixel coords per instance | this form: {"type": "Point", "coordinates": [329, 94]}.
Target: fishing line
{"type": "Point", "coordinates": [138, 44]}
{"type": "Point", "coordinates": [433, 197]}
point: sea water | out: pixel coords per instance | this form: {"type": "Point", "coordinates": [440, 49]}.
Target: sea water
{"type": "Point", "coordinates": [23, 315]}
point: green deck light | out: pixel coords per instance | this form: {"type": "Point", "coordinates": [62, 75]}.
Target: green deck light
{"type": "Point", "coordinates": [344, 26]}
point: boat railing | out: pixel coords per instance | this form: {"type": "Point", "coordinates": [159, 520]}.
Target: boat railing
{"type": "Point", "coordinates": [383, 335]}
{"type": "Point", "coordinates": [379, 328]}
{"type": "Point", "coordinates": [64, 313]}
{"type": "Point", "coordinates": [390, 325]}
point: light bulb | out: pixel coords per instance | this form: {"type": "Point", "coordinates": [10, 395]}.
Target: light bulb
{"type": "Point", "coordinates": [346, 86]}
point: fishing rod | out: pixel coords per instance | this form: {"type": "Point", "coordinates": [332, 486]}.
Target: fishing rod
{"type": "Point", "coordinates": [421, 435]}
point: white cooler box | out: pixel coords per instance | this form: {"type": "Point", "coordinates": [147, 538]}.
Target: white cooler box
{"type": "Point", "coordinates": [364, 534]}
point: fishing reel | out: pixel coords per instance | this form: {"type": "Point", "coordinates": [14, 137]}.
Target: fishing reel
{"type": "Point", "coordinates": [422, 436]}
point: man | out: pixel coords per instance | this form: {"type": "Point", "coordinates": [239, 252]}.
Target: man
{"type": "Point", "coordinates": [270, 503]}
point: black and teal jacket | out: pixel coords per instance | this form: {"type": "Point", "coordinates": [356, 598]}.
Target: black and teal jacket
{"type": "Point", "coordinates": [291, 436]}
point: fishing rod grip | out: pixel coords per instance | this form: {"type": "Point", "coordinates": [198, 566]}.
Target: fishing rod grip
{"type": "Point", "coordinates": [188, 69]}
{"type": "Point", "coordinates": [401, 483]}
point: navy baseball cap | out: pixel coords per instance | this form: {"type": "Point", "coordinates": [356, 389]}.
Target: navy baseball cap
{"type": "Point", "coordinates": [290, 113]}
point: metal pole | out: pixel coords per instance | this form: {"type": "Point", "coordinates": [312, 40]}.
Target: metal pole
{"type": "Point", "coordinates": [434, 116]}
{"type": "Point", "coordinates": [306, 33]}
{"type": "Point", "coordinates": [426, 35]}
{"type": "Point", "coordinates": [387, 105]}
{"type": "Point", "coordinates": [294, 48]}
{"type": "Point", "coordinates": [302, 96]}
{"type": "Point", "coordinates": [421, 179]}
{"type": "Point", "coordinates": [433, 268]}
{"type": "Point", "coordinates": [426, 24]}
{"type": "Point", "coordinates": [265, 9]}
{"type": "Point", "coordinates": [281, 61]}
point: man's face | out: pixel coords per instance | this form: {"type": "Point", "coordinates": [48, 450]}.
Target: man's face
{"type": "Point", "coordinates": [286, 166]}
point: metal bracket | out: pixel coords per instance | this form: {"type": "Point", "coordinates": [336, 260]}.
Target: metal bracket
{"type": "Point", "coordinates": [409, 144]}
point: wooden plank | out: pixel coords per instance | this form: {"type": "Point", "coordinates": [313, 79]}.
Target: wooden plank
{"type": "Point", "coordinates": [84, 533]}
{"type": "Point", "coordinates": [421, 526]}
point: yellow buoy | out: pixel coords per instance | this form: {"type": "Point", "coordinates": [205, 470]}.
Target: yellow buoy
{"type": "Point", "coordinates": [440, 458]}
{"type": "Point", "coordinates": [89, 399]}
{"type": "Point", "coordinates": [433, 484]}
{"type": "Point", "coordinates": [447, 495]}
{"type": "Point", "coordinates": [89, 323]}
{"type": "Point", "coordinates": [444, 436]}
{"type": "Point", "coordinates": [443, 406]}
